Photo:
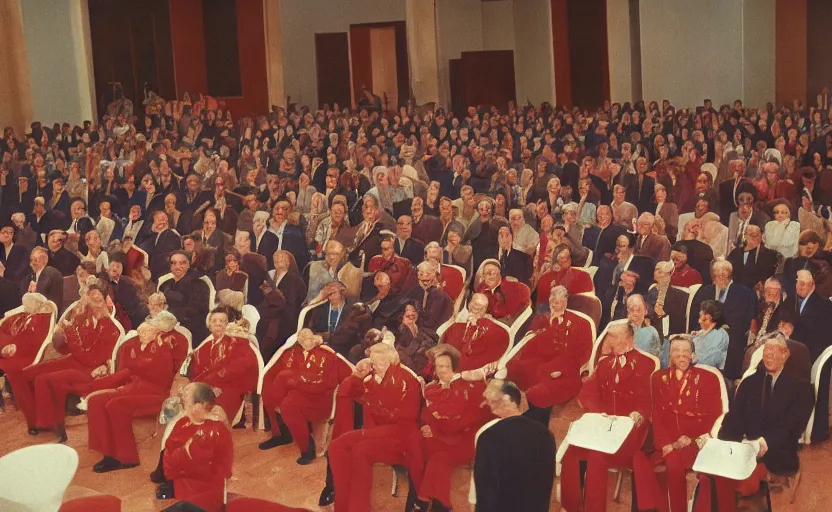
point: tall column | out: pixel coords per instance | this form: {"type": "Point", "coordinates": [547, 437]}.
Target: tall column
{"type": "Point", "coordinates": [790, 51]}
{"type": "Point", "coordinates": [274, 53]}
{"type": "Point", "coordinates": [420, 19]}
{"type": "Point", "coordinates": [15, 97]}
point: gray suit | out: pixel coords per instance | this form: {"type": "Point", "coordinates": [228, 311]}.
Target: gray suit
{"type": "Point", "coordinates": [758, 218]}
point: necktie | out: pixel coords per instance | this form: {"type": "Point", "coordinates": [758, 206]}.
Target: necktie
{"type": "Point", "coordinates": [722, 293]}
{"type": "Point", "coordinates": [800, 301]}
{"type": "Point", "coordinates": [768, 388]}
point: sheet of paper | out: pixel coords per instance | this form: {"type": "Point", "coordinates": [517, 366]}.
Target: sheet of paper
{"type": "Point", "coordinates": [727, 459]}
{"type": "Point", "coordinates": [601, 433]}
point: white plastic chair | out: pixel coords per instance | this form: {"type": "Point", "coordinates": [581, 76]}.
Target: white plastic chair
{"type": "Point", "coordinates": [36, 477]}
{"type": "Point", "coordinates": [162, 279]}
{"type": "Point", "coordinates": [691, 294]}
{"type": "Point", "coordinates": [251, 314]}
{"type": "Point", "coordinates": [599, 342]}
{"type": "Point", "coordinates": [592, 270]}
{"type": "Point", "coordinates": [588, 261]}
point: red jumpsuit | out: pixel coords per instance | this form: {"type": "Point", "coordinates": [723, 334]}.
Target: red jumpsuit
{"type": "Point", "coordinates": [561, 346]}
{"type": "Point", "coordinates": [479, 344]}
{"type": "Point", "coordinates": [451, 281]}
{"type": "Point", "coordinates": [199, 476]}
{"type": "Point", "coordinates": [391, 413]}
{"type": "Point", "coordinates": [454, 416]}
{"type": "Point", "coordinates": [300, 384]}
{"type": "Point", "coordinates": [179, 346]}
{"type": "Point", "coordinates": [509, 299]}
{"type": "Point", "coordinates": [398, 268]}
{"type": "Point", "coordinates": [27, 332]}
{"type": "Point", "coordinates": [230, 365]}
{"type": "Point", "coordinates": [619, 386]}
{"type": "Point", "coordinates": [683, 407]}
{"type": "Point", "coordinates": [575, 281]}
{"type": "Point", "coordinates": [43, 398]}
{"type": "Point", "coordinates": [136, 390]}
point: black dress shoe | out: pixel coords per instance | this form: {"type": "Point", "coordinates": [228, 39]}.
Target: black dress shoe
{"type": "Point", "coordinates": [34, 431]}
{"type": "Point", "coordinates": [327, 497]}
{"type": "Point", "coordinates": [105, 463]}
{"type": "Point", "coordinates": [158, 474]}
{"type": "Point", "coordinates": [61, 433]}
{"type": "Point", "coordinates": [165, 491]}
{"type": "Point", "coordinates": [275, 441]}
{"type": "Point", "coordinates": [309, 455]}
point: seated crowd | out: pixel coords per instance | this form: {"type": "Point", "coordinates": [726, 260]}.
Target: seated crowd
{"type": "Point", "coordinates": [377, 269]}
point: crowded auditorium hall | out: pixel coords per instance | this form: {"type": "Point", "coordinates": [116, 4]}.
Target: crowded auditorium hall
{"type": "Point", "coordinates": [299, 255]}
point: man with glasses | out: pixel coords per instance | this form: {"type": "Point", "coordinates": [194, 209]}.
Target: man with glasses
{"type": "Point", "coordinates": [753, 262]}
{"type": "Point", "coordinates": [746, 215]}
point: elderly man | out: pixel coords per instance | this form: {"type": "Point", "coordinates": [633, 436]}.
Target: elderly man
{"type": "Point", "coordinates": [367, 242]}
{"type": "Point", "coordinates": [649, 243]}
{"type": "Point", "coordinates": [479, 340]}
{"type": "Point", "coordinates": [813, 315]}
{"type": "Point", "coordinates": [548, 366]}
{"type": "Point", "coordinates": [669, 304]}
{"type": "Point", "coordinates": [433, 304]}
{"type": "Point", "coordinates": [300, 385]}
{"type": "Point", "coordinates": [198, 453]}
{"type": "Point", "coordinates": [607, 283]}
{"type": "Point", "coordinates": [226, 361]}
{"type": "Point", "coordinates": [739, 307]}
{"type": "Point", "coordinates": [620, 386]}
{"type": "Point", "coordinates": [187, 296]}
{"type": "Point", "coordinates": [161, 244]}
{"type": "Point", "coordinates": [731, 189]}
{"type": "Point", "coordinates": [771, 409]}
{"type": "Point", "coordinates": [744, 216]}
{"type": "Point", "coordinates": [406, 246]}
{"type": "Point", "coordinates": [59, 257]}
{"type": "Point", "coordinates": [524, 236]}
{"type": "Point", "coordinates": [254, 265]}
{"type": "Point", "coordinates": [682, 419]}
{"type": "Point", "coordinates": [323, 272]}
{"type": "Point", "coordinates": [513, 263]}
{"type": "Point", "coordinates": [753, 263]}
{"type": "Point", "coordinates": [263, 241]}
{"type": "Point", "coordinates": [602, 237]}
{"type": "Point", "coordinates": [506, 299]}
{"type": "Point", "coordinates": [125, 292]}
{"type": "Point", "coordinates": [381, 302]}
{"type": "Point", "coordinates": [391, 396]}
{"type": "Point", "coordinates": [289, 237]}
{"type": "Point", "coordinates": [450, 419]}
{"type": "Point", "coordinates": [397, 268]}
{"type": "Point", "coordinates": [333, 309]}
{"type": "Point", "coordinates": [46, 280]}
{"type": "Point", "coordinates": [21, 336]}
{"type": "Point", "coordinates": [772, 307]}
{"type": "Point", "coordinates": [646, 336]}
{"type": "Point", "coordinates": [90, 335]}
{"type": "Point", "coordinates": [145, 369]}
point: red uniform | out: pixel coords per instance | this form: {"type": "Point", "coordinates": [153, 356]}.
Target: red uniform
{"type": "Point", "coordinates": [43, 398]}
{"type": "Point", "coordinates": [686, 278]}
{"type": "Point", "coordinates": [230, 365]}
{"type": "Point", "coordinates": [683, 407]}
{"type": "Point", "coordinates": [563, 345]}
{"type": "Point", "coordinates": [391, 413]}
{"type": "Point", "coordinates": [398, 268]}
{"type": "Point", "coordinates": [179, 346]}
{"type": "Point", "coordinates": [136, 390]}
{"type": "Point", "coordinates": [199, 472]}
{"type": "Point", "coordinates": [300, 384]}
{"type": "Point", "coordinates": [619, 386]}
{"type": "Point", "coordinates": [451, 281]}
{"type": "Point", "coordinates": [509, 299]}
{"type": "Point", "coordinates": [575, 281]}
{"type": "Point", "coordinates": [478, 344]}
{"type": "Point", "coordinates": [454, 415]}
{"type": "Point", "coordinates": [26, 332]}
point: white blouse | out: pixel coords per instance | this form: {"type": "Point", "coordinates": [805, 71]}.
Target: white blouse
{"type": "Point", "coordinates": [782, 237]}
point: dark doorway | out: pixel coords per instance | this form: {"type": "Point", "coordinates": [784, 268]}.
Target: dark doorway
{"type": "Point", "coordinates": [332, 62]}
{"type": "Point", "coordinates": [468, 87]}
{"type": "Point", "coordinates": [588, 53]}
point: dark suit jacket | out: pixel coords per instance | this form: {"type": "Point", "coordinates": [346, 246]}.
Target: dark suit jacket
{"type": "Point", "coordinates": [17, 263]}
{"type": "Point", "coordinates": [812, 327]}
{"type": "Point", "coordinates": [268, 246]}
{"type": "Point", "coordinates": [641, 197]}
{"type": "Point", "coordinates": [50, 284]}
{"type": "Point", "coordinates": [601, 241]}
{"type": "Point", "coordinates": [654, 246]}
{"type": "Point", "coordinates": [126, 295]}
{"type": "Point", "coordinates": [428, 229]}
{"type": "Point", "coordinates": [761, 264]}
{"type": "Point", "coordinates": [159, 251]}
{"type": "Point", "coordinates": [370, 245]}
{"type": "Point", "coordinates": [320, 316]}
{"type": "Point", "coordinates": [727, 198]}
{"type": "Point", "coordinates": [780, 418]}
{"type": "Point", "coordinates": [295, 243]}
{"type": "Point", "coordinates": [675, 306]}
{"type": "Point", "coordinates": [739, 308]}
{"type": "Point", "coordinates": [413, 250]}
{"type": "Point", "coordinates": [189, 301]}
{"type": "Point", "coordinates": [64, 261]}
{"type": "Point", "coordinates": [670, 215]}
{"type": "Point", "coordinates": [516, 264]}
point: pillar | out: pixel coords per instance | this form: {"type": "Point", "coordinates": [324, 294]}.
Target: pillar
{"type": "Point", "coordinates": [15, 98]}
{"type": "Point", "coordinates": [420, 19]}
{"type": "Point", "coordinates": [274, 53]}
{"type": "Point", "coordinates": [791, 70]}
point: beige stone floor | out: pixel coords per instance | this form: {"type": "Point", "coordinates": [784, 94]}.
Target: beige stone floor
{"type": "Point", "coordinates": [275, 476]}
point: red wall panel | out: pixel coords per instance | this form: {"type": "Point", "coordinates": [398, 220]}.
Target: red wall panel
{"type": "Point", "coordinates": [790, 64]}
{"type": "Point", "coordinates": [188, 47]}
{"type": "Point", "coordinates": [560, 45]}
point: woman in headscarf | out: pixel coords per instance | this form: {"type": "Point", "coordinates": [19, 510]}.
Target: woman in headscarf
{"type": "Point", "coordinates": [314, 216]}
{"type": "Point", "coordinates": [381, 191]}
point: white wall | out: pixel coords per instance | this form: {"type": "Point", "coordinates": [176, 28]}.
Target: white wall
{"type": "Point", "coordinates": [620, 50]}
{"type": "Point", "coordinates": [300, 20]}
{"type": "Point", "coordinates": [534, 61]}
{"type": "Point", "coordinates": [459, 29]}
{"type": "Point", "coordinates": [498, 25]}
{"type": "Point", "coordinates": [717, 49]}
{"type": "Point", "coordinates": [60, 63]}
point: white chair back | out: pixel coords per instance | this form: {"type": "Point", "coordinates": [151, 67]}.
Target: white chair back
{"type": "Point", "coordinates": [35, 478]}
{"type": "Point", "coordinates": [212, 292]}
{"type": "Point", "coordinates": [592, 270]}
{"type": "Point", "coordinates": [251, 314]}
{"type": "Point", "coordinates": [596, 347]}
{"type": "Point", "coordinates": [162, 279]}
{"type": "Point", "coordinates": [817, 369]}
{"type": "Point", "coordinates": [48, 338]}
{"type": "Point", "coordinates": [588, 261]}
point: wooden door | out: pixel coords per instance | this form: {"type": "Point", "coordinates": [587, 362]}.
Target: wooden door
{"type": "Point", "coordinates": [332, 62]}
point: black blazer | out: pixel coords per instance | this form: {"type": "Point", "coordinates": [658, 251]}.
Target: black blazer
{"type": "Point", "coordinates": [320, 316]}
{"type": "Point", "coordinates": [812, 327]}
{"type": "Point", "coordinates": [268, 246]}
{"type": "Point", "coordinates": [739, 308]}
{"type": "Point", "coordinates": [159, 251]}
{"type": "Point", "coordinates": [642, 198]}
{"type": "Point", "coordinates": [413, 250]}
{"type": "Point", "coordinates": [17, 263]}
{"type": "Point", "coordinates": [50, 285]}
{"type": "Point", "coordinates": [516, 264]}
{"type": "Point", "coordinates": [761, 264]}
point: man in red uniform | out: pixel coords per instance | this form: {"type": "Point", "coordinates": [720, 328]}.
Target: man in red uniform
{"type": "Point", "coordinates": [144, 372]}
{"type": "Point", "coordinates": [399, 269]}
{"type": "Point", "coordinates": [300, 385]}
{"type": "Point", "coordinates": [91, 336]}
{"type": "Point", "coordinates": [574, 280]}
{"type": "Point", "coordinates": [686, 402]}
{"type": "Point", "coordinates": [21, 336]}
{"type": "Point", "coordinates": [450, 280]}
{"type": "Point", "coordinates": [199, 452]}
{"type": "Point", "coordinates": [225, 361]}
{"type": "Point", "coordinates": [450, 420]}
{"type": "Point", "coordinates": [506, 299]}
{"type": "Point", "coordinates": [620, 386]}
{"type": "Point", "coordinates": [391, 397]}
{"type": "Point", "coordinates": [479, 340]}
{"type": "Point", "coordinates": [548, 366]}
